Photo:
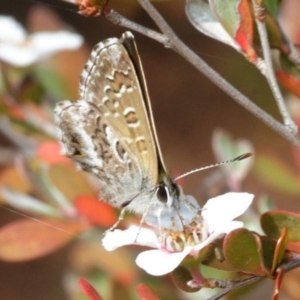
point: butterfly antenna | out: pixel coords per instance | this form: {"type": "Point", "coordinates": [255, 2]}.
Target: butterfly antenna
{"type": "Point", "coordinates": [241, 157]}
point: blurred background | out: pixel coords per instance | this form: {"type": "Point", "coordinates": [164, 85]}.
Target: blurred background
{"type": "Point", "coordinates": [187, 109]}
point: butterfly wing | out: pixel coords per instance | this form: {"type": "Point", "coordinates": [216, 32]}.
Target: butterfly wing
{"type": "Point", "coordinates": [108, 132]}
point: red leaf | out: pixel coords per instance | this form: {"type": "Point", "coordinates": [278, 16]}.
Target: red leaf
{"type": "Point", "coordinates": [97, 212]}
{"type": "Point", "coordinates": [293, 247]}
{"type": "Point", "coordinates": [50, 152]}
{"type": "Point", "coordinates": [91, 8]}
{"type": "Point", "coordinates": [146, 293]}
{"type": "Point", "coordinates": [289, 82]}
{"type": "Point", "coordinates": [278, 284]}
{"type": "Point", "coordinates": [29, 239]}
{"type": "Point", "coordinates": [16, 112]}
{"type": "Point", "coordinates": [88, 289]}
{"type": "Point", "coordinates": [280, 249]}
{"type": "Point", "coordinates": [244, 33]}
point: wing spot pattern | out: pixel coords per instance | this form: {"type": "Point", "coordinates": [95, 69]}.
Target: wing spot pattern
{"type": "Point", "coordinates": [131, 117]}
{"type": "Point", "coordinates": [141, 144]}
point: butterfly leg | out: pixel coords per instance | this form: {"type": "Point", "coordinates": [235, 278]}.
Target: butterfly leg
{"type": "Point", "coordinates": [193, 209]}
{"type": "Point", "coordinates": [142, 221]}
{"type": "Point", "coordinates": [121, 217]}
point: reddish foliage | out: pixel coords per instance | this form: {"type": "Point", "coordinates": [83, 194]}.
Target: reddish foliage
{"type": "Point", "coordinates": [10, 177]}
{"type": "Point", "coordinates": [50, 152]}
{"type": "Point", "coordinates": [97, 212]}
{"type": "Point", "coordinates": [278, 283]}
{"type": "Point", "coordinates": [146, 293]}
{"type": "Point", "coordinates": [28, 239]}
{"type": "Point", "coordinates": [279, 249]}
{"type": "Point", "coordinates": [14, 110]}
{"type": "Point", "coordinates": [244, 34]}
{"type": "Point", "coordinates": [293, 247]}
{"type": "Point", "coordinates": [91, 8]}
{"type": "Point", "coordinates": [88, 289]}
{"type": "Point", "coordinates": [289, 82]}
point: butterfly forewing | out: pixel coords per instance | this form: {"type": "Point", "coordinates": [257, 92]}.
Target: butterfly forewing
{"type": "Point", "coordinates": [111, 70]}
{"type": "Point", "coordinates": [108, 132]}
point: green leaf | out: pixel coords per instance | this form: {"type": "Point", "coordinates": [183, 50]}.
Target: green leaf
{"type": "Point", "coordinates": [268, 247]}
{"type": "Point", "coordinates": [225, 147]}
{"type": "Point", "coordinates": [30, 89]}
{"type": "Point", "coordinates": [227, 14]}
{"type": "Point", "coordinates": [203, 19]}
{"type": "Point", "coordinates": [274, 222]}
{"type": "Point", "coordinates": [275, 174]}
{"type": "Point", "coordinates": [272, 6]}
{"type": "Point", "coordinates": [237, 18]}
{"type": "Point", "coordinates": [289, 67]}
{"type": "Point", "coordinates": [181, 276]}
{"type": "Point", "coordinates": [243, 251]}
{"type": "Point", "coordinates": [275, 37]}
{"type": "Point", "coordinates": [214, 258]}
{"type": "Point", "coordinates": [51, 82]}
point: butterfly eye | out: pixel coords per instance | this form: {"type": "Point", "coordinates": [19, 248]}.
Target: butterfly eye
{"type": "Point", "coordinates": [163, 195]}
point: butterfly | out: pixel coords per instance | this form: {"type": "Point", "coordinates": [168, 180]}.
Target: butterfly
{"type": "Point", "coordinates": [110, 132]}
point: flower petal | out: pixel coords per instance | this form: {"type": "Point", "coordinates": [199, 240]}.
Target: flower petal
{"type": "Point", "coordinates": [11, 31]}
{"type": "Point", "coordinates": [49, 42]}
{"type": "Point", "coordinates": [132, 235]}
{"type": "Point", "coordinates": [160, 262]}
{"type": "Point", "coordinates": [17, 55]}
{"type": "Point", "coordinates": [37, 46]}
{"type": "Point", "coordinates": [223, 209]}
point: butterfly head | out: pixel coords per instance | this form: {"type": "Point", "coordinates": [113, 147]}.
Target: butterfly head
{"type": "Point", "coordinates": [169, 207]}
{"type": "Point", "coordinates": [167, 192]}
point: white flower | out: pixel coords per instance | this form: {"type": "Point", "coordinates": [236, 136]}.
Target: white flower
{"type": "Point", "coordinates": [172, 247]}
{"type": "Point", "coordinates": [20, 49]}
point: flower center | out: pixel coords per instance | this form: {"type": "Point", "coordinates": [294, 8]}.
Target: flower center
{"type": "Point", "coordinates": [191, 235]}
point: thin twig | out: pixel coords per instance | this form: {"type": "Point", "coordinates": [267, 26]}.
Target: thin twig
{"type": "Point", "coordinates": [291, 265]}
{"type": "Point", "coordinates": [261, 26]}
{"type": "Point", "coordinates": [235, 286]}
{"type": "Point", "coordinates": [118, 19]}
{"type": "Point", "coordinates": [200, 65]}
{"type": "Point", "coordinates": [294, 55]}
